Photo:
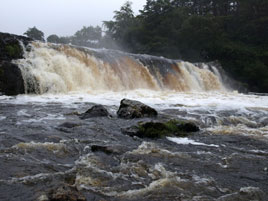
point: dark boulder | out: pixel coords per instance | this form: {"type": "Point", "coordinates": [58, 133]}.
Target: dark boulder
{"type": "Point", "coordinates": [130, 109]}
{"type": "Point", "coordinates": [157, 129]}
{"type": "Point", "coordinates": [66, 193]}
{"type": "Point", "coordinates": [187, 127]}
{"type": "Point", "coordinates": [95, 111]}
{"type": "Point", "coordinates": [11, 80]}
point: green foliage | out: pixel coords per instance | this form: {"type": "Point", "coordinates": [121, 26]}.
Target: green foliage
{"type": "Point", "coordinates": [35, 34]}
{"type": "Point", "coordinates": [53, 39]}
{"type": "Point", "coordinates": [13, 50]}
{"type": "Point", "coordinates": [56, 39]}
{"type": "Point", "coordinates": [87, 36]}
{"type": "Point", "coordinates": [119, 29]}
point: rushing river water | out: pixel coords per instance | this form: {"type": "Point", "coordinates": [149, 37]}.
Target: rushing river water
{"type": "Point", "coordinates": [45, 146]}
{"type": "Point", "coordinates": [226, 160]}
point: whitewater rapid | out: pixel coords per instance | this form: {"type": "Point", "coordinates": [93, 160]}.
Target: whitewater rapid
{"type": "Point", "coordinates": [218, 112]}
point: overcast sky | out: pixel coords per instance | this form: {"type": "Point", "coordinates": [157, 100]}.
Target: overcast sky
{"type": "Point", "coordinates": [61, 17]}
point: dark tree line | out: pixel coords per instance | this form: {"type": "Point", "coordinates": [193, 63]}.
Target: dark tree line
{"type": "Point", "coordinates": [87, 36]}
{"type": "Point", "coordinates": [235, 32]}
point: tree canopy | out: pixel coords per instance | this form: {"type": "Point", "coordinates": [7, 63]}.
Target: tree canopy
{"type": "Point", "coordinates": [34, 33]}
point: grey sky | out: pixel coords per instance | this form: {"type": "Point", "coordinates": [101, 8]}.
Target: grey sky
{"type": "Point", "coordinates": [61, 17]}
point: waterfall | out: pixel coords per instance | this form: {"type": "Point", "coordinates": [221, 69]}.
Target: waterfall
{"type": "Point", "coordinates": [50, 68]}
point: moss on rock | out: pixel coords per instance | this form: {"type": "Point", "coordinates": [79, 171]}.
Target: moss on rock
{"type": "Point", "coordinates": [13, 50]}
{"type": "Point", "coordinates": [161, 129]}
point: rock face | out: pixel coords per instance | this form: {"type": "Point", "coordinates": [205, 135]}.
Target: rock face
{"type": "Point", "coordinates": [95, 111]}
{"type": "Point", "coordinates": [130, 109]}
{"type": "Point", "coordinates": [11, 81]}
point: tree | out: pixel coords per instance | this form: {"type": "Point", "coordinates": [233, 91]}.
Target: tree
{"type": "Point", "coordinates": [234, 32]}
{"type": "Point", "coordinates": [56, 39]}
{"type": "Point", "coordinates": [35, 34]}
{"type": "Point", "coordinates": [87, 36]}
{"type": "Point", "coordinates": [123, 20]}
{"type": "Point", "coordinates": [53, 39]}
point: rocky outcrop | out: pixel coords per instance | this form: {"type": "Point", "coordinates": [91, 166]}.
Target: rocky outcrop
{"type": "Point", "coordinates": [156, 129]}
{"type": "Point", "coordinates": [10, 47]}
{"type": "Point", "coordinates": [130, 109]}
{"type": "Point", "coordinates": [11, 81]}
{"type": "Point", "coordinates": [95, 111]}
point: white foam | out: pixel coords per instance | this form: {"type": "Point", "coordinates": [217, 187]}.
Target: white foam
{"type": "Point", "coordinates": [157, 99]}
{"type": "Point", "coordinates": [23, 113]}
{"type": "Point", "coordinates": [47, 118]}
{"type": "Point", "coordinates": [2, 118]}
{"type": "Point", "coordinates": [186, 141]}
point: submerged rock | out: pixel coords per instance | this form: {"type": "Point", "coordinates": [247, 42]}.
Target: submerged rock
{"type": "Point", "coordinates": [130, 109]}
{"type": "Point", "coordinates": [66, 193]}
{"type": "Point", "coordinates": [107, 149]}
{"type": "Point", "coordinates": [69, 125]}
{"type": "Point", "coordinates": [160, 129]}
{"type": "Point", "coordinates": [95, 111]}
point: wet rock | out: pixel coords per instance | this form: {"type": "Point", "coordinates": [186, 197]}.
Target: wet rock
{"type": "Point", "coordinates": [66, 193]}
{"type": "Point", "coordinates": [130, 109]}
{"type": "Point", "coordinates": [154, 129]}
{"type": "Point", "coordinates": [187, 127]}
{"type": "Point", "coordinates": [11, 81]}
{"type": "Point", "coordinates": [10, 47]}
{"type": "Point", "coordinates": [106, 149]}
{"type": "Point", "coordinates": [95, 111]}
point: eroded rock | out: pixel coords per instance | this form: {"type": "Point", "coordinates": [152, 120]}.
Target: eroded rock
{"type": "Point", "coordinates": [95, 111]}
{"type": "Point", "coordinates": [11, 80]}
{"type": "Point", "coordinates": [130, 109]}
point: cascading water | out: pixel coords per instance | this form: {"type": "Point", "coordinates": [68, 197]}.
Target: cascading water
{"type": "Point", "coordinates": [61, 69]}
{"type": "Point", "coordinates": [46, 149]}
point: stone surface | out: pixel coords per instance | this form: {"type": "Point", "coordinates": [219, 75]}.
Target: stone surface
{"type": "Point", "coordinates": [11, 80]}
{"type": "Point", "coordinates": [95, 111]}
{"type": "Point", "coordinates": [130, 109]}
{"type": "Point", "coordinates": [10, 47]}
